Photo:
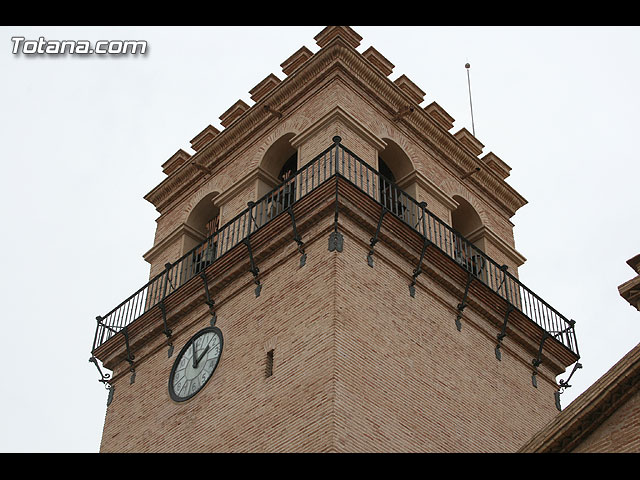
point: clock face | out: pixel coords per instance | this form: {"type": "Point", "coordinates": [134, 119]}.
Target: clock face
{"type": "Point", "coordinates": [195, 364]}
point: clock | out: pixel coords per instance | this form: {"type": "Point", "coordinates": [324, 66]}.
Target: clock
{"type": "Point", "coordinates": [195, 364]}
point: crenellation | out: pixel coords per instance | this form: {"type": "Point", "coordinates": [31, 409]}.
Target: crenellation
{"type": "Point", "coordinates": [258, 92]}
{"type": "Point", "coordinates": [496, 165]}
{"type": "Point", "coordinates": [205, 136]}
{"type": "Point", "coordinates": [411, 89]}
{"type": "Point", "coordinates": [176, 161]}
{"type": "Point", "coordinates": [349, 35]}
{"type": "Point", "coordinates": [292, 63]}
{"type": "Point", "coordinates": [466, 138]}
{"type": "Point", "coordinates": [440, 115]}
{"type": "Point", "coordinates": [379, 61]}
{"type": "Point", "coordinates": [234, 112]}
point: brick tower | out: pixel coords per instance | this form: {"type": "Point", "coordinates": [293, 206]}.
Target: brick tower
{"type": "Point", "coordinates": [334, 271]}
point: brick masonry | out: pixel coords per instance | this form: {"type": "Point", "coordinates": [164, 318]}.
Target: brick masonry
{"type": "Point", "coordinates": [620, 433]}
{"type": "Point", "coordinates": [359, 366]}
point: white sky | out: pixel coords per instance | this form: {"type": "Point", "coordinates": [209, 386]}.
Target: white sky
{"type": "Point", "coordinates": [84, 138]}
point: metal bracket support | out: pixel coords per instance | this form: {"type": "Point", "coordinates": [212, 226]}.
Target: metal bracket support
{"type": "Point", "coordinates": [209, 301]}
{"type": "Point", "coordinates": [374, 239]}
{"type": "Point", "coordinates": [104, 378]}
{"type": "Point", "coordinates": [401, 113]}
{"type": "Point", "coordinates": [462, 305]}
{"type": "Point", "coordinates": [130, 356]}
{"type": "Point", "coordinates": [564, 385]}
{"type": "Point", "coordinates": [296, 237]}
{"type": "Point", "coordinates": [538, 360]}
{"type": "Point", "coordinates": [503, 333]}
{"type": "Point", "coordinates": [418, 270]}
{"type": "Point", "coordinates": [167, 331]}
{"type": "Point", "coordinates": [111, 389]}
{"type": "Point", "coordinates": [272, 111]}
{"type": "Point", "coordinates": [336, 239]}
{"type": "Point", "coordinates": [254, 270]}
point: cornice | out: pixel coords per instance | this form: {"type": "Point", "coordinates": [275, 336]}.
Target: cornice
{"type": "Point", "coordinates": [336, 52]}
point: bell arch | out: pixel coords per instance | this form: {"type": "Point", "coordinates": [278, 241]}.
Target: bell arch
{"type": "Point", "coordinates": [280, 158]}
{"type": "Point", "coordinates": [201, 226]}
{"type": "Point", "coordinates": [466, 221]}
{"type": "Point", "coordinates": [396, 167]}
{"type": "Point", "coordinates": [394, 161]}
{"type": "Point", "coordinates": [204, 217]}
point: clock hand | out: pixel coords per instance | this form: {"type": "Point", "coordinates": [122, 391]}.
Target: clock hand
{"type": "Point", "coordinates": [201, 355]}
{"type": "Point", "coordinates": [194, 363]}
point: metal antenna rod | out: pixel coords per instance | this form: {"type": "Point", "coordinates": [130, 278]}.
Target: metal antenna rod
{"type": "Point", "coordinates": [473, 128]}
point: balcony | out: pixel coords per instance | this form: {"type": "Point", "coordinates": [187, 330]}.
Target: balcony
{"type": "Point", "coordinates": [432, 238]}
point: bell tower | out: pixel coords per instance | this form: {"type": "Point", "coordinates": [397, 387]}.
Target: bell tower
{"type": "Point", "coordinates": [333, 271]}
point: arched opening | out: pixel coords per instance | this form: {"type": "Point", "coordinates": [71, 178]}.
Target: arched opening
{"type": "Point", "coordinates": [466, 222]}
{"type": "Point", "coordinates": [464, 218]}
{"type": "Point", "coordinates": [388, 191]}
{"type": "Point", "coordinates": [397, 162]}
{"type": "Point", "coordinates": [395, 166]}
{"type": "Point", "coordinates": [289, 167]}
{"type": "Point", "coordinates": [280, 162]}
{"type": "Point", "coordinates": [286, 194]}
{"type": "Point", "coordinates": [203, 223]}
{"type": "Point", "coordinates": [279, 155]}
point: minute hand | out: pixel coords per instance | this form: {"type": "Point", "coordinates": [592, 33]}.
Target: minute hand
{"type": "Point", "coordinates": [204, 352]}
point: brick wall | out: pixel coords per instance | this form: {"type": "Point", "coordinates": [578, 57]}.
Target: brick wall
{"type": "Point", "coordinates": [620, 433]}
{"type": "Point", "coordinates": [359, 365]}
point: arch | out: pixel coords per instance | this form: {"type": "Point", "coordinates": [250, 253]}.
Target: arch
{"type": "Point", "coordinates": [394, 158]}
{"type": "Point", "coordinates": [464, 219]}
{"type": "Point", "coordinates": [395, 165]}
{"type": "Point", "coordinates": [202, 223]}
{"type": "Point", "coordinates": [204, 217]}
{"type": "Point", "coordinates": [280, 157]}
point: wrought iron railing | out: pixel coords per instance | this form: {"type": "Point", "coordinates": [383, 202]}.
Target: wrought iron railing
{"type": "Point", "coordinates": [338, 160]}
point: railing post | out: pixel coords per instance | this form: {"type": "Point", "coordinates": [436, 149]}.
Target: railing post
{"type": "Point", "coordinates": [336, 141]}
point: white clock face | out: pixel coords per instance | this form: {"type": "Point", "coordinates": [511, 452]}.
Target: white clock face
{"type": "Point", "coordinates": [195, 364]}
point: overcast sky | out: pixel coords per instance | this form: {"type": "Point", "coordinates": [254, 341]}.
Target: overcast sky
{"type": "Point", "coordinates": [84, 138]}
